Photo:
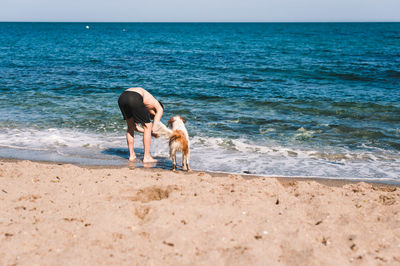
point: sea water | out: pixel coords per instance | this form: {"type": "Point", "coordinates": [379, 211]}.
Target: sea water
{"type": "Point", "coordinates": [285, 99]}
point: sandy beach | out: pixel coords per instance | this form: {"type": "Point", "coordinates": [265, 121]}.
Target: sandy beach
{"type": "Point", "coordinates": [61, 214]}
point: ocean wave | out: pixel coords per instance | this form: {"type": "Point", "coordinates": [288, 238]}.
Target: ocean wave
{"type": "Point", "coordinates": [52, 139]}
{"type": "Point", "coordinates": [348, 76]}
{"type": "Point", "coordinates": [243, 157]}
{"type": "Point", "coordinates": [245, 147]}
{"type": "Point", "coordinates": [160, 42]}
{"type": "Point", "coordinates": [393, 73]}
{"type": "Point", "coordinates": [208, 153]}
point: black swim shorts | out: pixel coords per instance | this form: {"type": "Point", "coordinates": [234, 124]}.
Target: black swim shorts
{"type": "Point", "coordinates": [131, 105]}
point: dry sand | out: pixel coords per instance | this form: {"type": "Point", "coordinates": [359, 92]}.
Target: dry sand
{"type": "Point", "coordinates": [68, 215]}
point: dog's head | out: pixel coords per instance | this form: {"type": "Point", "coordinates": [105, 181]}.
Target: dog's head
{"type": "Point", "coordinates": [176, 120]}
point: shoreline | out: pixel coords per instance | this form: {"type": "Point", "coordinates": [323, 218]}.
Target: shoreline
{"type": "Point", "coordinates": [323, 180]}
{"type": "Point", "coordinates": [53, 213]}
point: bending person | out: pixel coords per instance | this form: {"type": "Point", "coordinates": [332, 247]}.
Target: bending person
{"type": "Point", "coordinates": [138, 106]}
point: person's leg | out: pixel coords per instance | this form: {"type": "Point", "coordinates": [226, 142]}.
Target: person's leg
{"type": "Point", "coordinates": [130, 139]}
{"type": "Point", "coordinates": [146, 144]}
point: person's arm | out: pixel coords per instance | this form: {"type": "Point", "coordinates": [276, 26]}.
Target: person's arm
{"type": "Point", "coordinates": [151, 103]}
{"type": "Point", "coordinates": [157, 117]}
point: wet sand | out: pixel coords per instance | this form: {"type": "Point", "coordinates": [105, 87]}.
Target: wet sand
{"type": "Point", "coordinates": [62, 214]}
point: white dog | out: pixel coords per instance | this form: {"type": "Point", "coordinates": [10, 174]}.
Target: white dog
{"type": "Point", "coordinates": [178, 140]}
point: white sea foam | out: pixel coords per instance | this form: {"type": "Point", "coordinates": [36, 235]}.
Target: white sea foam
{"type": "Point", "coordinates": [207, 153]}
{"type": "Point", "coordinates": [51, 139]}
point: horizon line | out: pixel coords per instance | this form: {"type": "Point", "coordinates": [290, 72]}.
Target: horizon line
{"type": "Point", "coordinates": [27, 21]}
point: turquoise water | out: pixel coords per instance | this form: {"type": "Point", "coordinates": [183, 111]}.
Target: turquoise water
{"type": "Point", "coordinates": [292, 99]}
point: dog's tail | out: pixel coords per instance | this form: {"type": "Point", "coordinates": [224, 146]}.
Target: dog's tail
{"type": "Point", "coordinates": [164, 131]}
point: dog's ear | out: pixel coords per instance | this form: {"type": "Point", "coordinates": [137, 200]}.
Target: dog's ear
{"type": "Point", "coordinates": [170, 121]}
{"type": "Point", "coordinates": [183, 119]}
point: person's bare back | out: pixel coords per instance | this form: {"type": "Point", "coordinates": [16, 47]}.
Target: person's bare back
{"type": "Point", "coordinates": [152, 105]}
{"type": "Point", "coordinates": [149, 101]}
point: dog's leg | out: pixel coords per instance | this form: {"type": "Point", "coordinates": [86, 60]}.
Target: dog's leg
{"type": "Point", "coordinates": [187, 162]}
{"type": "Point", "coordinates": [183, 161]}
{"type": "Point", "coordinates": [173, 157]}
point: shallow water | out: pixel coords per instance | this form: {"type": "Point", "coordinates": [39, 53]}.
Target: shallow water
{"type": "Point", "coordinates": [293, 99]}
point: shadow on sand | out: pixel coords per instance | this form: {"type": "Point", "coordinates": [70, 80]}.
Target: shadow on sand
{"type": "Point", "coordinates": [162, 162]}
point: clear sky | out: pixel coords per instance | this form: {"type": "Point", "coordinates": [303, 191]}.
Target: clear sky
{"type": "Point", "coordinates": [199, 10]}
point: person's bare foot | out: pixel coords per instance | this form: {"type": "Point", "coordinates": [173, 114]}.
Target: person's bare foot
{"type": "Point", "coordinates": [132, 158]}
{"type": "Point", "coordinates": [149, 160]}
